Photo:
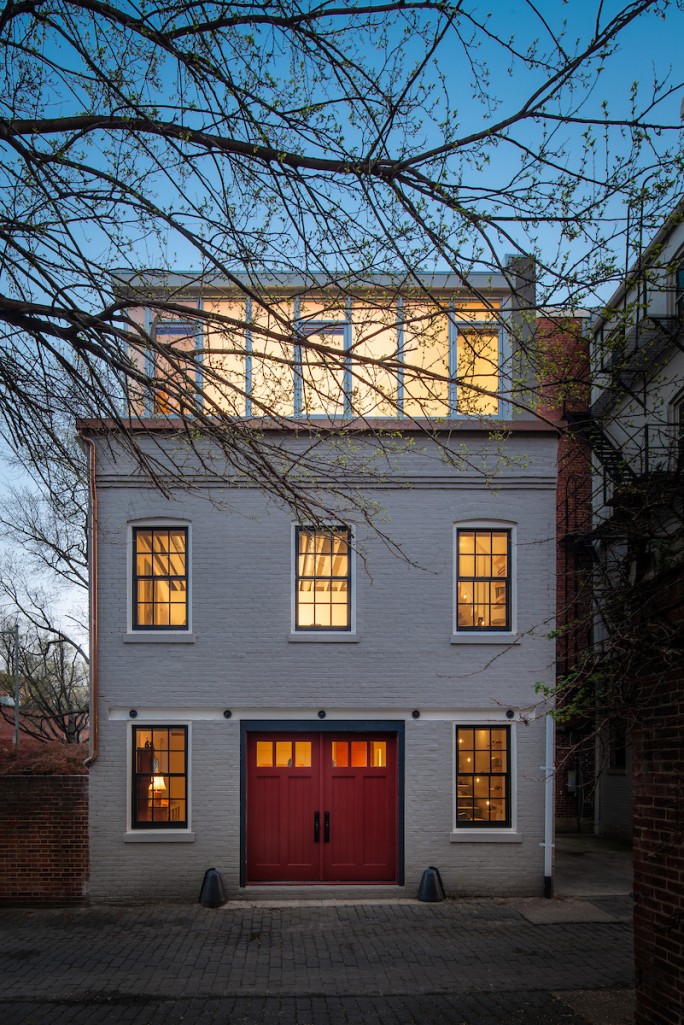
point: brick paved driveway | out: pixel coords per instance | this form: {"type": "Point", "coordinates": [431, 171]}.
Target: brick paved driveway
{"type": "Point", "coordinates": [455, 963]}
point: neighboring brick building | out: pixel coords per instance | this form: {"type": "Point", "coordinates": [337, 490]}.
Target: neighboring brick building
{"type": "Point", "coordinates": [637, 436]}
{"type": "Point", "coordinates": [290, 701]}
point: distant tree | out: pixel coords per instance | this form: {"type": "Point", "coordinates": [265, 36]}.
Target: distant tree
{"type": "Point", "coordinates": [53, 681]}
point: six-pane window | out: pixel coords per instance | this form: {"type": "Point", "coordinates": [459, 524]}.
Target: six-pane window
{"type": "Point", "coordinates": [160, 775]}
{"type": "Point", "coordinates": [483, 776]}
{"type": "Point", "coordinates": [323, 579]}
{"type": "Point", "coordinates": [160, 578]}
{"type": "Point", "coordinates": [483, 580]}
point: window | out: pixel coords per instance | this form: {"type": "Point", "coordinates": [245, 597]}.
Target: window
{"type": "Point", "coordinates": [483, 579]}
{"type": "Point", "coordinates": [679, 290]}
{"type": "Point", "coordinates": [176, 368]}
{"type": "Point", "coordinates": [160, 777]}
{"type": "Point", "coordinates": [160, 578]}
{"type": "Point", "coordinates": [483, 779]}
{"type": "Point", "coordinates": [382, 357]}
{"type": "Point", "coordinates": [323, 578]}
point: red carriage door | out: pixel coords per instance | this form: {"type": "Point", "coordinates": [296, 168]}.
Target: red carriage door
{"type": "Point", "coordinates": [321, 808]}
{"type": "Point", "coordinates": [360, 808]}
{"type": "Point", "coordinates": [283, 816]}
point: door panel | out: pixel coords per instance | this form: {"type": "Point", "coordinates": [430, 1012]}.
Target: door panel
{"type": "Point", "coordinates": [282, 798]}
{"type": "Point", "coordinates": [322, 808]}
{"type": "Point", "coordinates": [362, 800]}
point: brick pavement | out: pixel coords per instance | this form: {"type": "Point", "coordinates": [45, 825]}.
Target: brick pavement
{"type": "Point", "coordinates": [455, 963]}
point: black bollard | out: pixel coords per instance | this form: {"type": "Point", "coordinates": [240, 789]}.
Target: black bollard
{"type": "Point", "coordinates": [212, 894]}
{"type": "Point", "coordinates": [431, 888]}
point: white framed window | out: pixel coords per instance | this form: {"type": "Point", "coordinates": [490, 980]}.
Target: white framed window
{"type": "Point", "coordinates": [323, 591]}
{"type": "Point", "coordinates": [484, 589]}
{"type": "Point", "coordinates": [159, 579]}
{"type": "Point", "coordinates": [159, 807]}
{"type": "Point", "coordinates": [484, 780]}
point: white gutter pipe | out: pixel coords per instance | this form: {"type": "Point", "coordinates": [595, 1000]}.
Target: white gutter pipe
{"type": "Point", "coordinates": [549, 785]}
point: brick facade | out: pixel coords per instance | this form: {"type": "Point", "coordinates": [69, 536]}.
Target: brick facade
{"type": "Point", "coordinates": [659, 839]}
{"type": "Point", "coordinates": [44, 825]}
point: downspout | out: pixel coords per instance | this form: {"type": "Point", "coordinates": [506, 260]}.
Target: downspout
{"type": "Point", "coordinates": [94, 661]}
{"type": "Point", "coordinates": [549, 785]}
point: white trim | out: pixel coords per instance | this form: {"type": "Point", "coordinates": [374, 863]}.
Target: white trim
{"type": "Point", "coordinates": [150, 835]}
{"type": "Point", "coordinates": [484, 636]}
{"type": "Point", "coordinates": [161, 637]}
{"type": "Point", "coordinates": [319, 637]}
{"type": "Point", "coordinates": [184, 635]}
{"type": "Point", "coordinates": [505, 640]}
{"type": "Point", "coordinates": [182, 716]}
{"type": "Point", "coordinates": [323, 635]}
{"type": "Point", "coordinates": [159, 836]}
{"type": "Point", "coordinates": [463, 835]}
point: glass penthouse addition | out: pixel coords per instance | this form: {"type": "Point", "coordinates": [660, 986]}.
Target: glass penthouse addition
{"type": "Point", "coordinates": [325, 355]}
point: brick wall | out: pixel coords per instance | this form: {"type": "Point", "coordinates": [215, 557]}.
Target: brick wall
{"type": "Point", "coordinates": [44, 826]}
{"type": "Point", "coordinates": [658, 751]}
{"type": "Point", "coordinates": [565, 359]}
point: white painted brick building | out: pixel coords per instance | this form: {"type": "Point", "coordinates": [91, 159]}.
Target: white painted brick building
{"type": "Point", "coordinates": [398, 730]}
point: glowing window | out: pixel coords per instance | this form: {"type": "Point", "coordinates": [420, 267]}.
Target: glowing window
{"type": "Point", "coordinates": [160, 777]}
{"type": "Point", "coordinates": [483, 580]}
{"type": "Point", "coordinates": [160, 578]}
{"type": "Point", "coordinates": [483, 776]}
{"type": "Point", "coordinates": [323, 579]}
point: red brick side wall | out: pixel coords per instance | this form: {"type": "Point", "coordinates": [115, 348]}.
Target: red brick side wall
{"type": "Point", "coordinates": [658, 748]}
{"type": "Point", "coordinates": [44, 830]}
{"type": "Point", "coordinates": [565, 369]}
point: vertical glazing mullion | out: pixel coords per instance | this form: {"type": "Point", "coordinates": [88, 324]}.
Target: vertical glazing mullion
{"type": "Point", "coordinates": [248, 357]}
{"type": "Point", "coordinates": [452, 339]}
{"type": "Point", "coordinates": [400, 356]}
{"type": "Point", "coordinates": [499, 372]}
{"type": "Point", "coordinates": [298, 370]}
{"type": "Point", "coordinates": [150, 364]}
{"type": "Point", "coordinates": [199, 334]}
{"type": "Point", "coordinates": [347, 384]}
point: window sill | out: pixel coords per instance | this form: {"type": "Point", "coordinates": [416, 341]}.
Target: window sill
{"type": "Point", "coordinates": [324, 638]}
{"type": "Point", "coordinates": [158, 637]}
{"type": "Point", "coordinates": [159, 836]}
{"type": "Point", "coordinates": [485, 836]}
{"type": "Point", "coordinates": [504, 639]}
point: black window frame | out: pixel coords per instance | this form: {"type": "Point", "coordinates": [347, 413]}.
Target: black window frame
{"type": "Point", "coordinates": [331, 529]}
{"type": "Point", "coordinates": [136, 577]}
{"type": "Point", "coordinates": [141, 775]}
{"type": "Point", "coordinates": [474, 579]}
{"type": "Point", "coordinates": [472, 823]}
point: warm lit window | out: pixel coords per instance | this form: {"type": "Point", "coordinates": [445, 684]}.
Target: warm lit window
{"type": "Point", "coordinates": [307, 358]}
{"type": "Point", "coordinates": [483, 579]}
{"type": "Point", "coordinates": [483, 776]}
{"type": "Point", "coordinates": [160, 578]}
{"type": "Point", "coordinates": [175, 369]}
{"type": "Point", "coordinates": [323, 375]}
{"type": "Point", "coordinates": [160, 777]}
{"type": "Point", "coordinates": [323, 578]}
{"type": "Point", "coordinates": [477, 371]}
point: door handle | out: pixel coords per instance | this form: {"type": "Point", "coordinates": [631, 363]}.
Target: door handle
{"type": "Point", "coordinates": [326, 827]}
{"type": "Point", "coordinates": [317, 827]}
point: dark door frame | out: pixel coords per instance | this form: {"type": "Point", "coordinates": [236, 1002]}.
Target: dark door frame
{"type": "Point", "coordinates": [397, 726]}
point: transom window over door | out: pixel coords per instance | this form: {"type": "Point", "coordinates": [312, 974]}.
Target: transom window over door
{"type": "Point", "coordinates": [160, 578]}
{"type": "Point", "coordinates": [323, 578]}
{"type": "Point", "coordinates": [483, 583]}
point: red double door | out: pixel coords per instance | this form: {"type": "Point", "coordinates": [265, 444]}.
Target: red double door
{"type": "Point", "coordinates": [321, 807]}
